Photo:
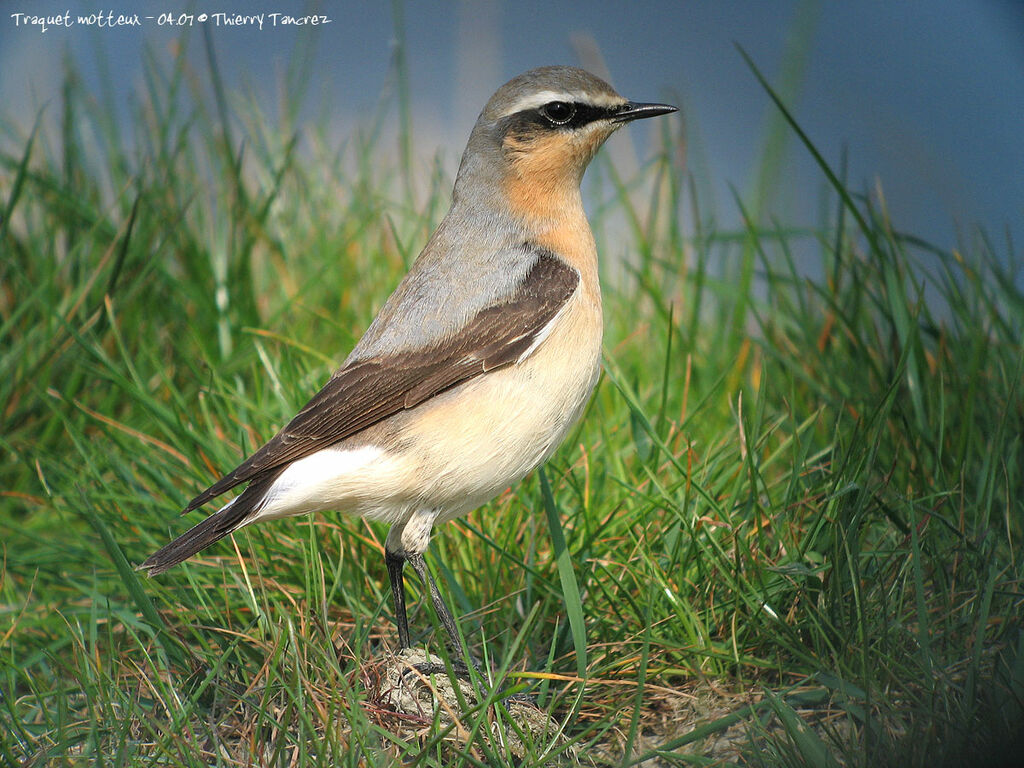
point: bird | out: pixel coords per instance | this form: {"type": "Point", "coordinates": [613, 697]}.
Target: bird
{"type": "Point", "coordinates": [477, 365]}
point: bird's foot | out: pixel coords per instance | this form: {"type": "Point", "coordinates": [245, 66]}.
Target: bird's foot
{"type": "Point", "coordinates": [426, 668]}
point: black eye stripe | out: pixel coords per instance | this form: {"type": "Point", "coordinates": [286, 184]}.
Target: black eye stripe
{"type": "Point", "coordinates": [539, 118]}
{"type": "Point", "coordinates": [587, 113]}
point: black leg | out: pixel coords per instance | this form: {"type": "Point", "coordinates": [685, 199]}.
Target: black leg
{"type": "Point", "coordinates": [396, 563]}
{"type": "Point", "coordinates": [420, 566]}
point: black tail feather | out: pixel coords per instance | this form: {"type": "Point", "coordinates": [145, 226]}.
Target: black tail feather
{"type": "Point", "coordinates": [211, 530]}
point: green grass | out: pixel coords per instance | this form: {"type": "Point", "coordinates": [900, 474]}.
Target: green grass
{"type": "Point", "coordinates": [797, 503]}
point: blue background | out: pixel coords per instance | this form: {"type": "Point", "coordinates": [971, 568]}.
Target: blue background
{"type": "Point", "coordinates": [926, 97]}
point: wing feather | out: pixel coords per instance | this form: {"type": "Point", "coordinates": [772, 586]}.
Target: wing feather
{"type": "Point", "coordinates": [368, 391]}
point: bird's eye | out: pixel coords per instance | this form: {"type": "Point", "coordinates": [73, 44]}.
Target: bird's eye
{"type": "Point", "coordinates": [558, 112]}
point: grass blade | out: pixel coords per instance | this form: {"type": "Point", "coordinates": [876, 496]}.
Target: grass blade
{"type": "Point", "coordinates": [567, 577]}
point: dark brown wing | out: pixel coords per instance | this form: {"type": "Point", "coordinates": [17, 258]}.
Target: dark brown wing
{"type": "Point", "coordinates": [370, 390]}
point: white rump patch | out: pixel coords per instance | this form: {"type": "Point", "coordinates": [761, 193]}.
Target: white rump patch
{"type": "Point", "coordinates": [323, 480]}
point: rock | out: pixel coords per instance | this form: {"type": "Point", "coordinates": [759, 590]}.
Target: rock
{"type": "Point", "coordinates": [515, 725]}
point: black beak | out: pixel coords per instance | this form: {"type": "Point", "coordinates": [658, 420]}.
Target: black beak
{"type": "Point", "coordinates": [634, 111]}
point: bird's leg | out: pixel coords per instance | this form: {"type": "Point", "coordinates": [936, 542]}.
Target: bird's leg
{"type": "Point", "coordinates": [448, 620]}
{"type": "Point", "coordinates": [406, 536]}
{"type": "Point", "coordinates": [396, 562]}
{"type": "Point", "coordinates": [406, 542]}
{"type": "Point", "coordinates": [445, 615]}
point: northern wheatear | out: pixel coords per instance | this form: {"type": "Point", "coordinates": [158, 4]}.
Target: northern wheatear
{"type": "Point", "coordinates": [479, 362]}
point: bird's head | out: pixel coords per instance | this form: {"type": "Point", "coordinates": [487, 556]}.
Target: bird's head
{"type": "Point", "coordinates": [540, 130]}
